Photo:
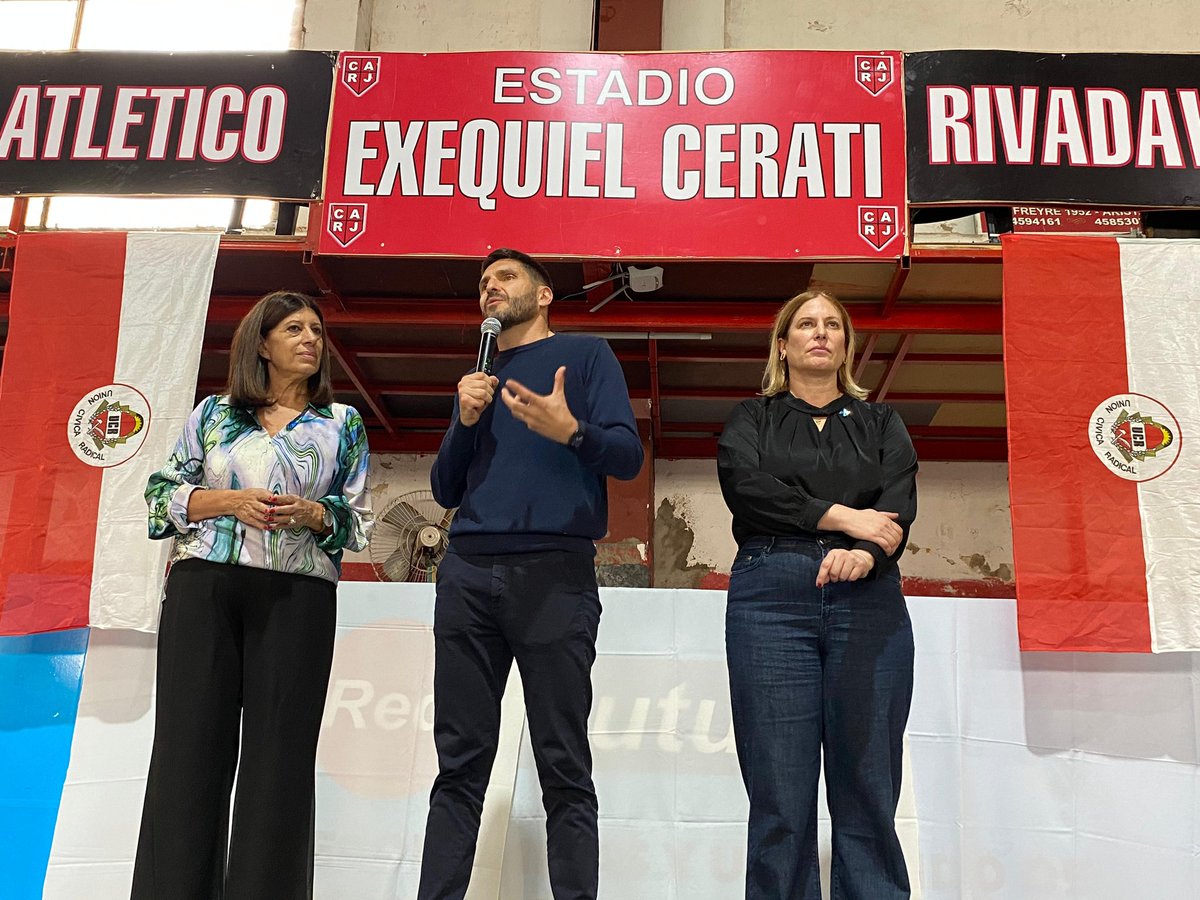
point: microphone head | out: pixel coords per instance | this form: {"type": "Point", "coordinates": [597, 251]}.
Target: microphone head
{"type": "Point", "coordinates": [491, 325]}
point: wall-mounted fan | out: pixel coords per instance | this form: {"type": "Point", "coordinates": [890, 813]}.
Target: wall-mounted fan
{"type": "Point", "coordinates": [410, 539]}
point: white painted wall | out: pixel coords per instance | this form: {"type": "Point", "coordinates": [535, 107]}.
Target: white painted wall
{"type": "Point", "coordinates": [1159, 26]}
{"type": "Point", "coordinates": [337, 24]}
{"type": "Point", "coordinates": [425, 26]}
{"type": "Point", "coordinates": [392, 475]}
{"type": "Point", "coordinates": [963, 528]}
{"type": "Point", "coordinates": [693, 25]}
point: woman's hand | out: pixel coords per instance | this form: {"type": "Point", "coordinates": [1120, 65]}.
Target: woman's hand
{"type": "Point", "coordinates": [251, 506]}
{"type": "Point", "coordinates": [844, 565]}
{"type": "Point", "coordinates": [296, 512]}
{"type": "Point", "coordinates": [258, 508]}
{"type": "Point", "coordinates": [865, 525]}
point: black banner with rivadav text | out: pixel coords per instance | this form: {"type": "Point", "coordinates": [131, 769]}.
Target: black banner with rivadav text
{"type": "Point", "coordinates": [1093, 128]}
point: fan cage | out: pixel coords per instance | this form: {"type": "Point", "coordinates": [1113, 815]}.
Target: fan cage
{"type": "Point", "coordinates": [410, 538]}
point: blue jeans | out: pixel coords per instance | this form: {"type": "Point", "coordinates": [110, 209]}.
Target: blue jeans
{"type": "Point", "coordinates": [810, 670]}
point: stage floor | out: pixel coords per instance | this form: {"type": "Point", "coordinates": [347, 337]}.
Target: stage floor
{"type": "Point", "coordinates": [1029, 776]}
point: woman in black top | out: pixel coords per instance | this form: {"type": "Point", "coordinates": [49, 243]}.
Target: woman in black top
{"type": "Point", "coordinates": [822, 489]}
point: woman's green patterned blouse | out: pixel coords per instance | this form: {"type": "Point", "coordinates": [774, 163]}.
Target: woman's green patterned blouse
{"type": "Point", "coordinates": [320, 455]}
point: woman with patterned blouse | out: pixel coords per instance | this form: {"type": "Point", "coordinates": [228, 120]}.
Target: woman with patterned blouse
{"type": "Point", "coordinates": [266, 487]}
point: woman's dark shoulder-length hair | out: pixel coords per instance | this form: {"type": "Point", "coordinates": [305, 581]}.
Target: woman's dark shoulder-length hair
{"type": "Point", "coordinates": [248, 385]}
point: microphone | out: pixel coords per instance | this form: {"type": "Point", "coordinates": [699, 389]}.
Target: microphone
{"type": "Point", "coordinates": [487, 345]}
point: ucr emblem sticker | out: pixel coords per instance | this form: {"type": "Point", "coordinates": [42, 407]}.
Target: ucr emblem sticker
{"type": "Point", "coordinates": [1136, 437]}
{"type": "Point", "coordinates": [108, 426]}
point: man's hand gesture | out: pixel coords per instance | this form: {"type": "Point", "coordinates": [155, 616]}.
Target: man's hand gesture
{"type": "Point", "coordinates": [475, 392]}
{"type": "Point", "coordinates": [547, 415]}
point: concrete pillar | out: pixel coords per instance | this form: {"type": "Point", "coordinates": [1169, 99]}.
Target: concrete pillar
{"type": "Point", "coordinates": [693, 25]}
{"type": "Point", "coordinates": [336, 24]}
{"type": "Point", "coordinates": [623, 557]}
{"type": "Point", "coordinates": [424, 27]}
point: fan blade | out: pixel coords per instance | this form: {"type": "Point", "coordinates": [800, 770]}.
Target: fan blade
{"type": "Point", "coordinates": [403, 515]}
{"type": "Point", "coordinates": [426, 567]}
{"type": "Point", "coordinates": [445, 523]}
{"type": "Point", "coordinates": [398, 565]}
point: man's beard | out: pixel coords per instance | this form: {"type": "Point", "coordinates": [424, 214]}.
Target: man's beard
{"type": "Point", "coordinates": [519, 310]}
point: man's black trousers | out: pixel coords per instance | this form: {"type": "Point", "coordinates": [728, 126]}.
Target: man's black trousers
{"type": "Point", "coordinates": [541, 609]}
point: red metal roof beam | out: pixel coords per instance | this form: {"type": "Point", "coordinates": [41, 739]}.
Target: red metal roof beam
{"type": "Point", "coordinates": [893, 366]}
{"type": "Point", "coordinates": [895, 286]}
{"type": "Point", "coordinates": [16, 218]}
{"type": "Point", "coordinates": [679, 316]}
{"type": "Point", "coordinates": [655, 397]}
{"type": "Point", "coordinates": [864, 356]}
{"type": "Point", "coordinates": [359, 380]}
{"type": "Point", "coordinates": [321, 278]}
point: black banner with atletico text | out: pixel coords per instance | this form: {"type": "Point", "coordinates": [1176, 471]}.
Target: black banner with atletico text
{"type": "Point", "coordinates": [241, 125]}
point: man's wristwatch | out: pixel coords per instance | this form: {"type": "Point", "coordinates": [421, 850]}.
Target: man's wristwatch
{"type": "Point", "coordinates": [326, 517]}
{"type": "Point", "coordinates": [576, 438]}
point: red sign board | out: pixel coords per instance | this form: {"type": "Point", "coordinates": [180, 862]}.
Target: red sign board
{"type": "Point", "coordinates": [1063, 220]}
{"type": "Point", "coordinates": [747, 155]}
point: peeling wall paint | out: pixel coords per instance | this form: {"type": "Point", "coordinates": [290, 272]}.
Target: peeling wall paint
{"type": "Point", "coordinates": [963, 530]}
{"type": "Point", "coordinates": [690, 485]}
{"type": "Point", "coordinates": [960, 545]}
{"type": "Point", "coordinates": [673, 542]}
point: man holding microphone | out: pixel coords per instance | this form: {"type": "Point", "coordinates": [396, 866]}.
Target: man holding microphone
{"type": "Point", "coordinates": [528, 476]}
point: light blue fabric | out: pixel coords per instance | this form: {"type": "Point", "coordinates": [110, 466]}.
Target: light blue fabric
{"type": "Point", "coordinates": [40, 678]}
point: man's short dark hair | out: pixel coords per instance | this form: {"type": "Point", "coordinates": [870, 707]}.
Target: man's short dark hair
{"type": "Point", "coordinates": [536, 270]}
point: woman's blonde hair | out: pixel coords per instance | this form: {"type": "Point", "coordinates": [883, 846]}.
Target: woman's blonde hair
{"type": "Point", "coordinates": [775, 375]}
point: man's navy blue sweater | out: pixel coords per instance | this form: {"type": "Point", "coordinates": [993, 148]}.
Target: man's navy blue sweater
{"type": "Point", "coordinates": [518, 492]}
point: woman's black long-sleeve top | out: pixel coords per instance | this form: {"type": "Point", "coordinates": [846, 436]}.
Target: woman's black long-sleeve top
{"type": "Point", "coordinates": [780, 474]}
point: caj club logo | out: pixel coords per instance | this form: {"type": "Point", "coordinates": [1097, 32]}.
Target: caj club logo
{"type": "Point", "coordinates": [108, 425]}
{"type": "Point", "coordinates": [878, 225]}
{"type": "Point", "coordinates": [1135, 436]}
{"type": "Point", "coordinates": [346, 222]}
{"type": "Point", "coordinates": [874, 74]}
{"type": "Point", "coordinates": [360, 72]}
